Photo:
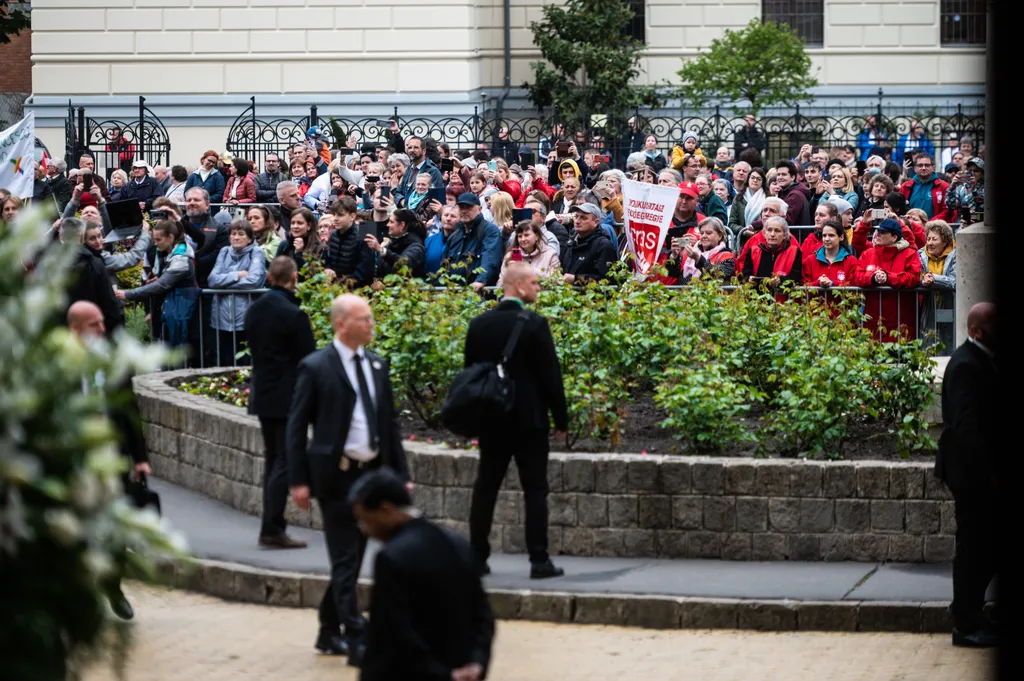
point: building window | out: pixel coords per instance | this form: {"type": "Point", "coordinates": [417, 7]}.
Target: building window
{"type": "Point", "coordinates": [806, 17]}
{"type": "Point", "coordinates": [637, 28]}
{"type": "Point", "coordinates": [963, 22]}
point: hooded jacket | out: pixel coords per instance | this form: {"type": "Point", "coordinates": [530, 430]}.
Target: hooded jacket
{"type": "Point", "coordinates": [939, 189]}
{"type": "Point", "coordinates": [890, 309]}
{"type": "Point", "coordinates": [841, 271]}
{"type": "Point", "coordinates": [230, 313]}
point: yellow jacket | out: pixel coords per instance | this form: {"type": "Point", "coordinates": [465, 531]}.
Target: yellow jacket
{"type": "Point", "coordinates": [677, 157]}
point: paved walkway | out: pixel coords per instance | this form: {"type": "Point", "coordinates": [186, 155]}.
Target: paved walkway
{"type": "Point", "coordinates": [182, 636]}
{"type": "Point", "coordinates": [217, 531]}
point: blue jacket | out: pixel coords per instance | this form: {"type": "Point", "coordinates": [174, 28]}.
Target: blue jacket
{"type": "Point", "coordinates": [608, 225]}
{"type": "Point", "coordinates": [214, 184]}
{"type": "Point", "coordinates": [405, 187]}
{"type": "Point", "coordinates": [435, 251]}
{"type": "Point", "coordinates": [230, 312]}
{"type": "Point", "coordinates": [864, 142]}
{"type": "Point", "coordinates": [923, 145]}
{"type": "Point", "coordinates": [474, 246]}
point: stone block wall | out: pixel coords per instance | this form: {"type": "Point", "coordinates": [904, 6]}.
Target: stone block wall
{"type": "Point", "coordinates": [604, 504]}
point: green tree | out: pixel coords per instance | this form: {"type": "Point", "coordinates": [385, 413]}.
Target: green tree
{"type": "Point", "coordinates": [591, 60]}
{"type": "Point", "coordinates": [762, 64]}
{"type": "Point", "coordinates": [13, 20]}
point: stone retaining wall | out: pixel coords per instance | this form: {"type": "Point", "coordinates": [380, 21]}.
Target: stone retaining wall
{"type": "Point", "coordinates": [603, 504]}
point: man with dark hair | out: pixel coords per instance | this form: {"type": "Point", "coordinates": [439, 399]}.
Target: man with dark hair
{"type": "Point", "coordinates": [344, 391]}
{"type": "Point", "coordinates": [421, 571]}
{"type": "Point", "coordinates": [279, 337]}
{"type": "Point", "coordinates": [966, 463]}
{"type": "Point", "coordinates": [176, 189]}
{"type": "Point", "coordinates": [522, 434]}
{"type": "Point", "coordinates": [415, 149]}
{"type": "Point", "coordinates": [267, 181]}
{"type": "Point", "coordinates": [749, 137]}
{"type": "Point", "coordinates": [793, 193]}
{"type": "Point", "coordinates": [927, 191]}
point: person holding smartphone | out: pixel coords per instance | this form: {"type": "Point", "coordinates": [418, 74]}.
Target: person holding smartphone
{"type": "Point", "coordinates": [966, 195]}
{"type": "Point", "coordinates": [529, 246]}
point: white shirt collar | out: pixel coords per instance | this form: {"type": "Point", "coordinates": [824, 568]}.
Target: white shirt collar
{"type": "Point", "coordinates": [346, 353]}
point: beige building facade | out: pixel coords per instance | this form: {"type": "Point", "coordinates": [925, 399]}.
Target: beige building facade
{"type": "Point", "coordinates": [198, 65]}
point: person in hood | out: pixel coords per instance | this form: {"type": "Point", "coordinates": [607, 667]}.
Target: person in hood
{"type": "Point", "coordinates": [927, 191]}
{"type": "Point", "coordinates": [938, 272]}
{"type": "Point", "coordinates": [240, 266]}
{"type": "Point", "coordinates": [891, 264]}
{"type": "Point", "coordinates": [568, 168]}
{"type": "Point", "coordinates": [845, 210]}
{"type": "Point", "coordinates": [777, 258]}
{"type": "Point", "coordinates": [833, 263]}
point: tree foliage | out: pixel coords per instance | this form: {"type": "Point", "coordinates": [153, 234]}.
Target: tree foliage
{"type": "Point", "coordinates": [591, 60]}
{"type": "Point", "coordinates": [760, 65]}
{"type": "Point", "coordinates": [13, 20]}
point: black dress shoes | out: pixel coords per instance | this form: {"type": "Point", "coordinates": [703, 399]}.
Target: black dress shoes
{"type": "Point", "coordinates": [356, 651]}
{"type": "Point", "coordinates": [979, 638]}
{"type": "Point", "coordinates": [120, 605]}
{"type": "Point", "coordinates": [331, 643]}
{"type": "Point", "coordinates": [280, 541]}
{"type": "Point", "coordinates": [545, 570]}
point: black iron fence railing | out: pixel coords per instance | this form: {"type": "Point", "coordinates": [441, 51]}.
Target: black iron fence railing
{"type": "Point", "coordinates": [785, 128]}
{"type": "Point", "coordinates": [116, 144]}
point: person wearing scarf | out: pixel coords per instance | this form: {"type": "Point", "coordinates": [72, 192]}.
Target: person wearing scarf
{"type": "Point", "coordinates": [938, 272]}
{"type": "Point", "coordinates": [711, 255]}
{"type": "Point", "coordinates": [420, 191]}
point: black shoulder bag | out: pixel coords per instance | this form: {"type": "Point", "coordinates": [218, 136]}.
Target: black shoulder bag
{"type": "Point", "coordinates": [481, 392]}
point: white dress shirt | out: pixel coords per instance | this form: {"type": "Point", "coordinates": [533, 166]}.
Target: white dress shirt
{"type": "Point", "coordinates": [357, 444]}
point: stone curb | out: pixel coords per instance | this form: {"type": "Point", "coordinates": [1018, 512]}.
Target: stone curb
{"type": "Point", "coordinates": [236, 582]}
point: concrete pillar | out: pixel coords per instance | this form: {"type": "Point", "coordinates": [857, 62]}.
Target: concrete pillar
{"type": "Point", "coordinates": [975, 278]}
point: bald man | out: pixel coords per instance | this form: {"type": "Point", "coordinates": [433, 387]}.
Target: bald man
{"type": "Point", "coordinates": [85, 321]}
{"type": "Point", "coordinates": [344, 391]}
{"type": "Point", "coordinates": [966, 463]}
{"type": "Point", "coordinates": [523, 434]}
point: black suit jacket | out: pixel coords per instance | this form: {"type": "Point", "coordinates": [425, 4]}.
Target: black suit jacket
{"type": "Point", "coordinates": [279, 337]}
{"type": "Point", "coordinates": [428, 612]}
{"type": "Point", "coordinates": [326, 398]}
{"type": "Point", "coordinates": [967, 447]}
{"type": "Point", "coordinates": [533, 366]}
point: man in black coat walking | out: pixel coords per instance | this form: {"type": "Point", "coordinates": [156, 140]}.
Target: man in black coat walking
{"type": "Point", "coordinates": [345, 392]}
{"type": "Point", "coordinates": [522, 434]}
{"type": "Point", "coordinates": [421, 572]}
{"type": "Point", "coordinates": [966, 463]}
{"type": "Point", "coordinates": [279, 337]}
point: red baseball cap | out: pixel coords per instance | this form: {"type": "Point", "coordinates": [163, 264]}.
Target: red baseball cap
{"type": "Point", "coordinates": [689, 188]}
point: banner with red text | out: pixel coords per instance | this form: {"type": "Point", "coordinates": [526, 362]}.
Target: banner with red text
{"type": "Point", "coordinates": [647, 214]}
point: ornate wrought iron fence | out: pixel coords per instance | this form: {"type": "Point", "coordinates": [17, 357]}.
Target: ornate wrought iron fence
{"type": "Point", "coordinates": [786, 129]}
{"type": "Point", "coordinates": [116, 144]}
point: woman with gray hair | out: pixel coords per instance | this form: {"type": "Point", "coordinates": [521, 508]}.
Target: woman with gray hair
{"type": "Point", "coordinates": [240, 266]}
{"type": "Point", "coordinates": [710, 256]}
{"type": "Point", "coordinates": [938, 272]}
{"type": "Point", "coordinates": [777, 258]}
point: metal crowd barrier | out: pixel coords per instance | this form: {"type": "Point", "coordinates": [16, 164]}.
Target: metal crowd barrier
{"type": "Point", "coordinates": [214, 350]}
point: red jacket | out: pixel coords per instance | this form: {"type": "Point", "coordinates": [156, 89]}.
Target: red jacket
{"type": "Point", "coordinates": [862, 229]}
{"type": "Point", "coordinates": [811, 244]}
{"type": "Point", "coordinates": [246, 192]}
{"type": "Point", "coordinates": [541, 184]}
{"type": "Point", "coordinates": [896, 308]}
{"type": "Point", "coordinates": [841, 272]}
{"type": "Point", "coordinates": [758, 238]}
{"type": "Point", "coordinates": [939, 190]}
{"type": "Point", "coordinates": [677, 269]}
{"type": "Point", "coordinates": [512, 188]}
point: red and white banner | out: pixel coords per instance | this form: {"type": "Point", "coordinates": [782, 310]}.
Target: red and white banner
{"type": "Point", "coordinates": [647, 214]}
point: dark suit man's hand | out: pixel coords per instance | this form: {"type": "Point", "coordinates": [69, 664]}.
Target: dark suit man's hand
{"type": "Point", "coordinates": [409, 486]}
{"type": "Point", "coordinates": [471, 672]}
{"type": "Point", "coordinates": [300, 495]}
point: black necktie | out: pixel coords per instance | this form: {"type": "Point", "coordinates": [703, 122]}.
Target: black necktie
{"type": "Point", "coordinates": [364, 396]}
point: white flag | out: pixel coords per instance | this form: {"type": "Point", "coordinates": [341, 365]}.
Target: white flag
{"type": "Point", "coordinates": [648, 214]}
{"type": "Point", "coordinates": [17, 157]}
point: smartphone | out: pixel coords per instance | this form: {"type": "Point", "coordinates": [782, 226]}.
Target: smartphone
{"type": "Point", "coordinates": [521, 214]}
{"type": "Point", "coordinates": [492, 164]}
{"type": "Point", "coordinates": [438, 194]}
{"type": "Point", "coordinates": [527, 159]}
{"type": "Point", "coordinates": [159, 214]}
{"type": "Point", "coordinates": [372, 178]}
{"type": "Point", "coordinates": [385, 192]}
{"type": "Point", "coordinates": [676, 232]}
{"type": "Point", "coordinates": [345, 151]}
{"type": "Point", "coordinates": [562, 149]}
{"type": "Point", "coordinates": [602, 158]}
{"type": "Point", "coordinates": [383, 122]}
{"type": "Point", "coordinates": [517, 254]}
{"type": "Point", "coordinates": [879, 214]}
{"type": "Point", "coordinates": [447, 165]}
{"type": "Point", "coordinates": [87, 181]}
{"type": "Point", "coordinates": [367, 227]}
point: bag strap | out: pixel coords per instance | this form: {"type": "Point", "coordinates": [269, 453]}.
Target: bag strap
{"type": "Point", "coordinates": [514, 338]}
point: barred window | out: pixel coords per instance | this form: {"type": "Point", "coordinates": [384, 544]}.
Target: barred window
{"type": "Point", "coordinates": [637, 28]}
{"type": "Point", "coordinates": [806, 17]}
{"type": "Point", "coordinates": [963, 22]}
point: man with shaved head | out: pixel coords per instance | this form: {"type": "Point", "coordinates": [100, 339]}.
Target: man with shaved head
{"type": "Point", "coordinates": [966, 463]}
{"type": "Point", "coordinates": [344, 391]}
{"type": "Point", "coordinates": [522, 434]}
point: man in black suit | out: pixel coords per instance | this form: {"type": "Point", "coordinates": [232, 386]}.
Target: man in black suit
{"type": "Point", "coordinates": [345, 392]}
{"type": "Point", "coordinates": [279, 337]}
{"type": "Point", "coordinates": [429, 615]}
{"type": "Point", "coordinates": [522, 434]}
{"type": "Point", "coordinates": [966, 463]}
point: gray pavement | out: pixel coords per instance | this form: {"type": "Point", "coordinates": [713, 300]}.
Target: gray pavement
{"type": "Point", "coordinates": [217, 531]}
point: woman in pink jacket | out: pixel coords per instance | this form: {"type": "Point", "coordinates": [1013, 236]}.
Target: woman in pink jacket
{"type": "Point", "coordinates": [240, 187]}
{"type": "Point", "coordinates": [529, 246]}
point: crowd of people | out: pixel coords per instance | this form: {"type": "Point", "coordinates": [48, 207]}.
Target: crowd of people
{"type": "Point", "coordinates": [870, 216]}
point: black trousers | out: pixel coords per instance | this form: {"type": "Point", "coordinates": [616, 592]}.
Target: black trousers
{"type": "Point", "coordinates": [346, 546]}
{"type": "Point", "coordinates": [530, 450]}
{"type": "Point", "coordinates": [974, 563]}
{"type": "Point", "coordinates": [275, 476]}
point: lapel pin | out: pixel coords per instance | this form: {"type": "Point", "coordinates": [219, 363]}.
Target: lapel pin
{"type": "Point", "coordinates": [376, 364]}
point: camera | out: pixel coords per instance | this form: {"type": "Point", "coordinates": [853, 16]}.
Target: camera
{"type": "Point", "coordinates": [159, 214]}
